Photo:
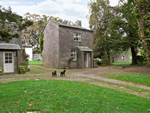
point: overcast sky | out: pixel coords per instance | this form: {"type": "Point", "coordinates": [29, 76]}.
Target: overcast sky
{"type": "Point", "coordinates": [66, 9]}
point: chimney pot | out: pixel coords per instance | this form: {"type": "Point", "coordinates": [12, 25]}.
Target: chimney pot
{"type": "Point", "coordinates": [78, 23]}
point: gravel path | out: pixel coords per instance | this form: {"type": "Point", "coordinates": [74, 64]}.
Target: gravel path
{"type": "Point", "coordinates": [110, 80]}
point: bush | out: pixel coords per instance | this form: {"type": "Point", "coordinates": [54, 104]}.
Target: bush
{"type": "Point", "coordinates": [23, 69]}
{"type": "Point", "coordinates": [140, 59]}
{"type": "Point", "coordinates": [1, 70]}
{"type": "Point", "coordinates": [98, 60]}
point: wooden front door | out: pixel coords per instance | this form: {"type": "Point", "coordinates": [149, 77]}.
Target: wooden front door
{"type": "Point", "coordinates": [8, 62]}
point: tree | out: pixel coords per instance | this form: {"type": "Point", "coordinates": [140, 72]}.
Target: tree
{"type": "Point", "coordinates": [125, 22]}
{"type": "Point", "coordinates": [31, 34]}
{"type": "Point", "coordinates": [10, 23]}
{"type": "Point", "coordinates": [141, 12]}
{"type": "Point", "coordinates": [99, 20]}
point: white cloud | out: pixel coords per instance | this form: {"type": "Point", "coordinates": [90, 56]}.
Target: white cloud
{"type": "Point", "coordinates": [68, 1]}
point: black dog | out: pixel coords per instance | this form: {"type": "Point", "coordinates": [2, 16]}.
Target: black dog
{"type": "Point", "coordinates": [54, 73]}
{"type": "Point", "coordinates": [62, 73]}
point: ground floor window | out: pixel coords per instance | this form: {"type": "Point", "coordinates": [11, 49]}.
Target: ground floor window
{"type": "Point", "coordinates": [73, 54]}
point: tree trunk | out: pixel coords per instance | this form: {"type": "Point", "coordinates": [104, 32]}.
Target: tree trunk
{"type": "Point", "coordinates": [134, 57]}
{"type": "Point", "coordinates": [108, 56]}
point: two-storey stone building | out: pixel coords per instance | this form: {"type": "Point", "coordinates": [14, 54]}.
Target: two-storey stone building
{"type": "Point", "coordinates": [61, 42]}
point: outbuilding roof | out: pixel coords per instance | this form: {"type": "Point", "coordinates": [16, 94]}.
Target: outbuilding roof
{"type": "Point", "coordinates": [9, 46]}
{"type": "Point", "coordinates": [84, 48]}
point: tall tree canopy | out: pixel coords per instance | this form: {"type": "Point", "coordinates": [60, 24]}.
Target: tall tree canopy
{"type": "Point", "coordinates": [99, 20]}
{"type": "Point", "coordinates": [10, 24]}
{"type": "Point", "coordinates": [116, 29]}
{"type": "Point", "coordinates": [142, 15]}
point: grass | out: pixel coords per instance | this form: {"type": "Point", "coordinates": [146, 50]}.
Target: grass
{"type": "Point", "coordinates": [35, 62]}
{"type": "Point", "coordinates": [67, 97]}
{"type": "Point", "coordinates": [139, 79]}
{"type": "Point", "coordinates": [37, 69]}
{"type": "Point", "coordinates": [126, 64]}
{"type": "Point", "coordinates": [122, 64]}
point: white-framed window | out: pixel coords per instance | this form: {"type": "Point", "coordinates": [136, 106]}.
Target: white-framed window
{"type": "Point", "coordinates": [77, 37]}
{"type": "Point", "coordinates": [73, 54]}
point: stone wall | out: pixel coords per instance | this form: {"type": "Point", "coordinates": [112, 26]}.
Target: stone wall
{"type": "Point", "coordinates": [50, 53]}
{"type": "Point", "coordinates": [1, 59]}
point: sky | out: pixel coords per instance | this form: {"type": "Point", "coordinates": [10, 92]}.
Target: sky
{"type": "Point", "coordinates": [71, 10]}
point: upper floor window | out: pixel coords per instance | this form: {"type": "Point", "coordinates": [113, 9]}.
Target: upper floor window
{"type": "Point", "coordinates": [77, 37]}
{"type": "Point", "coordinates": [73, 54]}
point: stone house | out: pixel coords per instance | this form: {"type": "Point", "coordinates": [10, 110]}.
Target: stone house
{"type": "Point", "coordinates": [120, 57]}
{"type": "Point", "coordinates": [61, 42]}
{"type": "Point", "coordinates": [10, 55]}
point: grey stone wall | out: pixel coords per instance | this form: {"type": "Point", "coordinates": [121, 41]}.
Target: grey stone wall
{"type": "Point", "coordinates": [1, 59]}
{"type": "Point", "coordinates": [50, 53]}
{"type": "Point", "coordinates": [67, 43]}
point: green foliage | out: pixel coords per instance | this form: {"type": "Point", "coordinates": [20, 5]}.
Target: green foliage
{"type": "Point", "coordinates": [140, 59]}
{"type": "Point", "coordinates": [141, 12]}
{"type": "Point", "coordinates": [67, 97]}
{"type": "Point", "coordinates": [1, 69]}
{"type": "Point", "coordinates": [10, 22]}
{"type": "Point", "coordinates": [22, 69]}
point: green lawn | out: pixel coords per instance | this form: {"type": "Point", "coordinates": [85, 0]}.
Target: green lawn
{"type": "Point", "coordinates": [126, 64]}
{"type": "Point", "coordinates": [122, 64]}
{"type": "Point", "coordinates": [139, 79]}
{"type": "Point", "coordinates": [53, 96]}
{"type": "Point", "coordinates": [35, 62]}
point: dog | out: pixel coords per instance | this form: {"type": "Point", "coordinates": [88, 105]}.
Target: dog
{"type": "Point", "coordinates": [54, 73]}
{"type": "Point", "coordinates": [62, 73]}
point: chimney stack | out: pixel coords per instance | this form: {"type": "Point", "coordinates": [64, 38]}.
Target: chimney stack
{"type": "Point", "coordinates": [78, 23]}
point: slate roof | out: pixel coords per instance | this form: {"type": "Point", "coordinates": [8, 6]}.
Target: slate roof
{"type": "Point", "coordinates": [70, 26]}
{"type": "Point", "coordinates": [84, 48]}
{"type": "Point", "coordinates": [9, 46]}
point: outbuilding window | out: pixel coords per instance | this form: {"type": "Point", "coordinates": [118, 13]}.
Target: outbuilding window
{"type": "Point", "coordinates": [73, 54]}
{"type": "Point", "coordinates": [77, 37]}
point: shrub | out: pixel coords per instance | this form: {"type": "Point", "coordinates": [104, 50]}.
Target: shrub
{"type": "Point", "coordinates": [1, 70]}
{"type": "Point", "coordinates": [98, 60]}
{"type": "Point", "coordinates": [23, 69]}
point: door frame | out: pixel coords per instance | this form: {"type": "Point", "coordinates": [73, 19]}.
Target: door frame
{"type": "Point", "coordinates": [88, 58]}
{"type": "Point", "coordinates": [12, 62]}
